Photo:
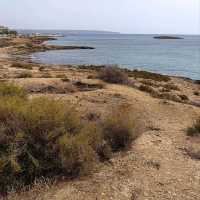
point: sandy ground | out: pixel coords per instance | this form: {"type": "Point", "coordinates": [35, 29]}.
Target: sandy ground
{"type": "Point", "coordinates": [156, 167]}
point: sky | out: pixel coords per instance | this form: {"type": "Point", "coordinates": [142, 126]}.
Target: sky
{"type": "Point", "coordinates": [125, 16]}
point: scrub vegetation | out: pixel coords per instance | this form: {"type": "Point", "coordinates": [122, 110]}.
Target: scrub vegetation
{"type": "Point", "coordinates": [42, 137]}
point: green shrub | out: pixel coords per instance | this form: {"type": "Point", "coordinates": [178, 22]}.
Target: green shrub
{"type": "Point", "coordinates": [195, 129]}
{"type": "Point", "coordinates": [113, 75]}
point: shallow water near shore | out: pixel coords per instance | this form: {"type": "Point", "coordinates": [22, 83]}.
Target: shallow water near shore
{"type": "Point", "coordinates": [172, 57]}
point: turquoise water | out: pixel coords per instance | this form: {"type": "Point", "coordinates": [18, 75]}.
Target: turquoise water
{"type": "Point", "coordinates": [173, 57]}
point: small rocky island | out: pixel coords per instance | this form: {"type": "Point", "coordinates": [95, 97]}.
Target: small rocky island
{"type": "Point", "coordinates": [168, 37]}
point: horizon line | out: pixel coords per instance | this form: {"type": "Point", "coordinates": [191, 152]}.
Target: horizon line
{"type": "Point", "coordinates": [116, 32]}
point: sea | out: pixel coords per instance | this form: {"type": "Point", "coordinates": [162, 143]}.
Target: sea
{"type": "Point", "coordinates": [179, 57]}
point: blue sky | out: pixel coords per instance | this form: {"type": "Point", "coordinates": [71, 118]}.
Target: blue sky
{"type": "Point", "coordinates": [126, 16]}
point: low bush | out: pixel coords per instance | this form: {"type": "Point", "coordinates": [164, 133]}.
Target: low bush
{"type": "Point", "coordinates": [25, 75]}
{"type": "Point", "coordinates": [22, 65]}
{"type": "Point", "coordinates": [195, 129]}
{"type": "Point", "coordinates": [171, 86]}
{"type": "Point", "coordinates": [197, 93]}
{"type": "Point", "coordinates": [94, 136]}
{"type": "Point", "coordinates": [41, 137]}
{"type": "Point", "coordinates": [65, 79]}
{"type": "Point", "coordinates": [113, 75]}
{"type": "Point", "coordinates": [148, 75]}
{"type": "Point", "coordinates": [46, 75]}
{"type": "Point", "coordinates": [150, 90]}
{"type": "Point", "coordinates": [76, 155]}
{"type": "Point", "coordinates": [62, 76]}
{"type": "Point", "coordinates": [118, 128]}
{"type": "Point", "coordinates": [149, 83]}
{"type": "Point", "coordinates": [183, 97]}
{"type": "Point", "coordinates": [41, 68]}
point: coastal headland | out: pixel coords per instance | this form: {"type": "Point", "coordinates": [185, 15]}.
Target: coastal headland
{"type": "Point", "coordinates": [160, 164]}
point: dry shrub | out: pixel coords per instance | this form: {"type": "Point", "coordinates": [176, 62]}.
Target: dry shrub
{"type": "Point", "coordinates": [195, 129]}
{"type": "Point", "coordinates": [41, 68]}
{"type": "Point", "coordinates": [94, 136]}
{"type": "Point", "coordinates": [170, 96]}
{"type": "Point", "coordinates": [149, 83]}
{"type": "Point", "coordinates": [146, 88]}
{"type": "Point", "coordinates": [183, 97]}
{"type": "Point", "coordinates": [51, 88]}
{"type": "Point", "coordinates": [25, 75]}
{"type": "Point", "coordinates": [149, 89]}
{"type": "Point", "coordinates": [193, 153]}
{"type": "Point", "coordinates": [148, 75]}
{"type": "Point", "coordinates": [63, 76]}
{"type": "Point", "coordinates": [46, 75]}
{"type": "Point", "coordinates": [164, 95]}
{"type": "Point", "coordinates": [84, 86]}
{"type": "Point", "coordinates": [65, 79]}
{"type": "Point", "coordinates": [76, 155]}
{"type": "Point", "coordinates": [197, 93]}
{"type": "Point", "coordinates": [118, 128]}
{"type": "Point", "coordinates": [171, 86]}
{"type": "Point", "coordinates": [22, 65]}
{"type": "Point", "coordinates": [113, 75]}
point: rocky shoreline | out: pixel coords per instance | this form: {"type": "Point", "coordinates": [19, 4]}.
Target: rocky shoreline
{"type": "Point", "coordinates": [32, 44]}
